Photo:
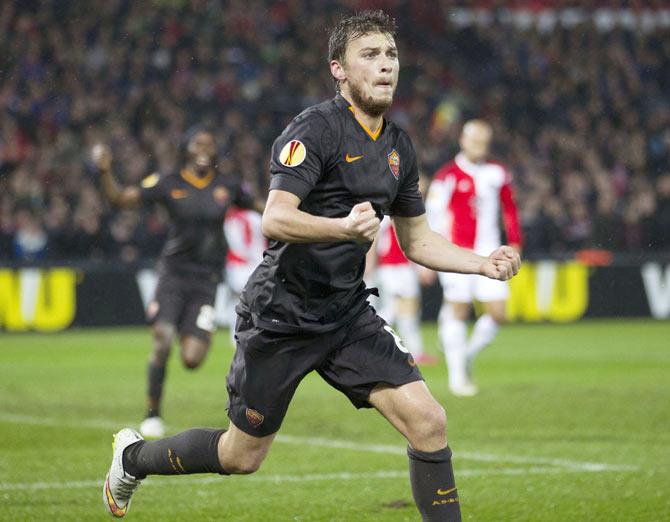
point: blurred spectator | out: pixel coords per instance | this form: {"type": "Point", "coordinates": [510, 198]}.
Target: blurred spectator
{"type": "Point", "coordinates": [639, 220]}
{"type": "Point", "coordinates": [125, 246]}
{"type": "Point", "coordinates": [662, 217]}
{"type": "Point", "coordinates": [607, 224]}
{"type": "Point", "coordinates": [580, 113]}
{"type": "Point", "coordinates": [57, 219]}
{"type": "Point", "coordinates": [30, 240]}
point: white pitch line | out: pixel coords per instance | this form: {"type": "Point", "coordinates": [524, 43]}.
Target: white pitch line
{"type": "Point", "coordinates": [338, 444]}
{"type": "Point", "coordinates": [95, 424]}
{"type": "Point", "coordinates": [346, 476]}
{"type": "Point", "coordinates": [482, 457]}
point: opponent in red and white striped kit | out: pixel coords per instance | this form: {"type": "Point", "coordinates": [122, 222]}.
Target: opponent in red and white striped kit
{"type": "Point", "coordinates": [399, 291]}
{"type": "Point", "coordinates": [246, 244]}
{"type": "Point", "coordinates": [464, 203]}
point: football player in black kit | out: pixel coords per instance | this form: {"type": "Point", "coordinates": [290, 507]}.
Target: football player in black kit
{"type": "Point", "coordinates": [196, 199]}
{"type": "Point", "coordinates": [336, 170]}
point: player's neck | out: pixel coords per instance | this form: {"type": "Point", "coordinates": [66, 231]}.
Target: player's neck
{"type": "Point", "coordinates": [470, 160]}
{"type": "Point", "coordinates": [371, 122]}
{"type": "Point", "coordinates": [201, 172]}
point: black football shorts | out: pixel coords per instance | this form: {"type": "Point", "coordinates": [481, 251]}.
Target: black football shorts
{"type": "Point", "coordinates": [185, 301]}
{"type": "Point", "coordinates": [268, 366]}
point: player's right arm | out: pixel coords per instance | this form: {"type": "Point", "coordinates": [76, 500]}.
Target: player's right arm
{"type": "Point", "coordinates": [122, 197]}
{"type": "Point", "coordinates": [284, 221]}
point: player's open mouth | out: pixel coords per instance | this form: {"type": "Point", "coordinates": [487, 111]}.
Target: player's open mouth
{"type": "Point", "coordinates": [384, 84]}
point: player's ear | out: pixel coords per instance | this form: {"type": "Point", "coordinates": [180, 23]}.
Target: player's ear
{"type": "Point", "coordinates": [337, 71]}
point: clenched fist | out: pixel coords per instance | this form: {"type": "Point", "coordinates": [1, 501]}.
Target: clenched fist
{"type": "Point", "coordinates": [102, 157]}
{"type": "Point", "coordinates": [362, 223]}
{"type": "Point", "coordinates": [502, 264]}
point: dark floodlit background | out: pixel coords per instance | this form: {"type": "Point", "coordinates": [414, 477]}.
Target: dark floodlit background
{"type": "Point", "coordinates": [577, 94]}
{"type": "Point", "coordinates": [578, 99]}
{"type": "Point", "coordinates": [571, 420]}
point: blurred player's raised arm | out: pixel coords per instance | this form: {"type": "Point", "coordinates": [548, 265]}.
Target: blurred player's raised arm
{"type": "Point", "coordinates": [123, 197]}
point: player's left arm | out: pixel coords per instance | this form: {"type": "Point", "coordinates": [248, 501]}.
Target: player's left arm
{"type": "Point", "coordinates": [427, 248]}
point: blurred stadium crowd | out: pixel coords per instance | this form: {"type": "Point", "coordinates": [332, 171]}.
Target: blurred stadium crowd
{"type": "Point", "coordinates": [581, 114]}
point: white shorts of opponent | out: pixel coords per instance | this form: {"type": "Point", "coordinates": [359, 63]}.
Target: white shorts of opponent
{"type": "Point", "coordinates": [398, 280]}
{"type": "Point", "coordinates": [465, 288]}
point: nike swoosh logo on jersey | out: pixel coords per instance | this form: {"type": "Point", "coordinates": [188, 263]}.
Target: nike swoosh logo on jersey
{"type": "Point", "coordinates": [351, 159]}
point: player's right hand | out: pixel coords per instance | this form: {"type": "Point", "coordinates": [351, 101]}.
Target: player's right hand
{"type": "Point", "coordinates": [102, 156]}
{"type": "Point", "coordinates": [362, 223]}
{"type": "Point", "coordinates": [503, 264]}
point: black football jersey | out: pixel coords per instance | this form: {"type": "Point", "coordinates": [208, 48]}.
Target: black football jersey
{"type": "Point", "coordinates": [332, 162]}
{"type": "Point", "coordinates": [196, 207]}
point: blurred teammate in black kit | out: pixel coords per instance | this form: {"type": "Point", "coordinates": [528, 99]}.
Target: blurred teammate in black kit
{"type": "Point", "coordinates": [336, 169]}
{"type": "Point", "coordinates": [190, 268]}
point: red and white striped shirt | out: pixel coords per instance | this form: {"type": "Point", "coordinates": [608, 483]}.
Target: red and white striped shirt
{"type": "Point", "coordinates": [388, 248]}
{"type": "Point", "coordinates": [244, 235]}
{"type": "Point", "coordinates": [464, 204]}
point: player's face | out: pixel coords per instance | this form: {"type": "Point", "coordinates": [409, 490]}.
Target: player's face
{"type": "Point", "coordinates": [371, 72]}
{"type": "Point", "coordinates": [201, 150]}
{"type": "Point", "coordinates": [475, 143]}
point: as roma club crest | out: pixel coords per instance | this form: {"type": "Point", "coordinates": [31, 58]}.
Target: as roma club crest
{"type": "Point", "coordinates": [394, 163]}
{"type": "Point", "coordinates": [221, 195]}
{"type": "Point", "coordinates": [254, 418]}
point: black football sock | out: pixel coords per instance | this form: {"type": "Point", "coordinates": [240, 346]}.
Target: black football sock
{"type": "Point", "coordinates": [433, 485]}
{"type": "Point", "coordinates": [191, 451]}
{"type": "Point", "coordinates": [155, 377]}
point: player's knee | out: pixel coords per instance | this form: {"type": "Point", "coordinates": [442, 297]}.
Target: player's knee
{"type": "Point", "coordinates": [163, 334]}
{"type": "Point", "coordinates": [191, 362]}
{"type": "Point", "coordinates": [499, 317]}
{"type": "Point", "coordinates": [437, 421]}
{"type": "Point", "coordinates": [243, 464]}
{"type": "Point", "coordinates": [497, 312]}
{"type": "Point", "coordinates": [455, 311]}
{"type": "Point", "coordinates": [430, 425]}
{"type": "Point", "coordinates": [193, 352]}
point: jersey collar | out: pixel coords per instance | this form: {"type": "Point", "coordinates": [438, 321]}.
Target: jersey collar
{"type": "Point", "coordinates": [197, 181]}
{"type": "Point", "coordinates": [465, 164]}
{"type": "Point", "coordinates": [341, 102]}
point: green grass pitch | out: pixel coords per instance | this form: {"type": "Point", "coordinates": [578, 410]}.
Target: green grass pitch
{"type": "Point", "coordinates": [572, 424]}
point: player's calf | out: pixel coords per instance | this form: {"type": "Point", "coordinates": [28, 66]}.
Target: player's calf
{"type": "Point", "coordinates": [192, 451]}
{"type": "Point", "coordinates": [421, 419]}
{"type": "Point", "coordinates": [152, 425]}
{"type": "Point", "coordinates": [430, 468]}
{"type": "Point", "coordinates": [433, 485]}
